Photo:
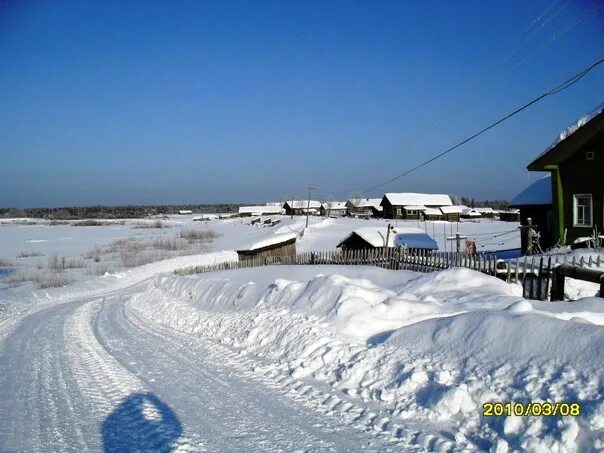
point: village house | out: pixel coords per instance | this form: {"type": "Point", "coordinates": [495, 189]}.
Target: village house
{"type": "Point", "coordinates": [410, 206]}
{"type": "Point", "coordinates": [576, 164]}
{"type": "Point", "coordinates": [375, 237]}
{"type": "Point", "coordinates": [248, 211]}
{"type": "Point", "coordinates": [278, 245]}
{"type": "Point", "coordinates": [365, 207]}
{"type": "Point", "coordinates": [299, 207]}
{"type": "Point", "coordinates": [334, 209]}
{"type": "Point", "coordinates": [535, 202]}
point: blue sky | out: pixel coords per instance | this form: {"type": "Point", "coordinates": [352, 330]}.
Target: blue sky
{"type": "Point", "coordinates": [176, 102]}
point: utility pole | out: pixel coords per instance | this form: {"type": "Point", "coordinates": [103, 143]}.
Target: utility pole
{"type": "Point", "coordinates": [387, 235]}
{"type": "Point", "coordinates": [457, 238]}
{"type": "Point", "coordinates": [310, 189]}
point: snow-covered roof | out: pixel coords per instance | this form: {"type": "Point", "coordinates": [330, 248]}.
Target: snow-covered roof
{"type": "Point", "coordinates": [538, 193]}
{"type": "Point", "coordinates": [334, 205]}
{"type": "Point", "coordinates": [574, 127]}
{"type": "Point", "coordinates": [367, 203]}
{"type": "Point", "coordinates": [271, 240]}
{"type": "Point", "coordinates": [303, 204]}
{"type": "Point", "coordinates": [414, 199]}
{"type": "Point", "coordinates": [260, 209]}
{"type": "Point", "coordinates": [415, 240]}
{"type": "Point", "coordinates": [432, 211]}
{"type": "Point", "coordinates": [451, 209]}
{"type": "Point", "coordinates": [376, 237]}
{"type": "Point", "coordinates": [415, 208]}
{"type": "Point", "coordinates": [484, 210]}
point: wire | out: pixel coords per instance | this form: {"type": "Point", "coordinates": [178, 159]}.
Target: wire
{"type": "Point", "coordinates": [557, 89]}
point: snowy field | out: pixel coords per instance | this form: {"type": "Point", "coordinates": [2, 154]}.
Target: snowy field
{"type": "Point", "coordinates": [285, 358]}
{"type": "Point", "coordinates": [33, 249]}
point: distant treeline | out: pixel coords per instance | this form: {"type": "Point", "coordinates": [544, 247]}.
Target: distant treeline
{"type": "Point", "coordinates": [114, 212]}
{"type": "Point", "coordinates": [501, 205]}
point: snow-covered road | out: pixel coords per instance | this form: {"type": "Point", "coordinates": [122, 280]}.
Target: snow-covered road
{"type": "Point", "coordinates": [92, 375]}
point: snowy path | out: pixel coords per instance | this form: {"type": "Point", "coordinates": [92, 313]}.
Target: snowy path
{"type": "Point", "coordinates": [89, 375]}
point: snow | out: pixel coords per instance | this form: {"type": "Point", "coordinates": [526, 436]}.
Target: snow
{"type": "Point", "coordinates": [538, 193]}
{"type": "Point", "coordinates": [415, 199]}
{"type": "Point", "coordinates": [376, 237]}
{"type": "Point", "coordinates": [367, 203]}
{"type": "Point", "coordinates": [415, 240]}
{"type": "Point", "coordinates": [344, 358]}
{"type": "Point", "coordinates": [423, 350]}
{"type": "Point", "coordinates": [415, 208]}
{"type": "Point", "coordinates": [574, 127]}
{"type": "Point", "coordinates": [433, 211]}
{"type": "Point", "coordinates": [271, 240]}
{"type": "Point", "coordinates": [451, 209]}
{"type": "Point", "coordinates": [303, 204]}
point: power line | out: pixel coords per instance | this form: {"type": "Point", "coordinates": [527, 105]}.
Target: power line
{"type": "Point", "coordinates": [557, 89]}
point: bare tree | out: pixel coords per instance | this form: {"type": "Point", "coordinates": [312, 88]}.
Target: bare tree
{"type": "Point", "coordinates": [329, 204]}
{"type": "Point", "coordinates": [355, 199]}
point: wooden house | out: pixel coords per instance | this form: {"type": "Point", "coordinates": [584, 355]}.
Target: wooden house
{"type": "Point", "coordinates": [411, 205]}
{"type": "Point", "coordinates": [576, 164]}
{"type": "Point", "coordinates": [334, 209]}
{"type": "Point", "coordinates": [299, 207]}
{"type": "Point", "coordinates": [365, 207]}
{"type": "Point", "coordinates": [535, 202]}
{"type": "Point", "coordinates": [280, 245]}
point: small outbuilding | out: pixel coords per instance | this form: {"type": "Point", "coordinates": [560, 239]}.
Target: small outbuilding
{"type": "Point", "coordinates": [432, 214]}
{"type": "Point", "coordinates": [512, 215]}
{"type": "Point", "coordinates": [451, 213]}
{"type": "Point", "coordinates": [374, 237]}
{"type": "Point", "coordinates": [277, 245]}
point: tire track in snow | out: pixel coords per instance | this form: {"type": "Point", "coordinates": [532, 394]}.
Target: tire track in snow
{"type": "Point", "coordinates": [231, 411]}
{"type": "Point", "coordinates": [106, 383]}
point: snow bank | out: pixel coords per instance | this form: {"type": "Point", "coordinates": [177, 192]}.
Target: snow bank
{"type": "Point", "coordinates": [428, 350]}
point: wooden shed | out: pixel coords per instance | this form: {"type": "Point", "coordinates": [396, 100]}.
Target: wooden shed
{"type": "Point", "coordinates": [276, 245]}
{"type": "Point", "coordinates": [451, 213]}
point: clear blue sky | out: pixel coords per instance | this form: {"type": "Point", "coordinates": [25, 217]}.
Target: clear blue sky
{"type": "Point", "coordinates": [173, 102]}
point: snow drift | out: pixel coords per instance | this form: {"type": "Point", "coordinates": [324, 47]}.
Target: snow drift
{"type": "Point", "coordinates": [428, 350]}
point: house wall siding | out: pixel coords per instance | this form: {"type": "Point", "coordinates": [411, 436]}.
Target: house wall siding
{"type": "Point", "coordinates": [582, 176]}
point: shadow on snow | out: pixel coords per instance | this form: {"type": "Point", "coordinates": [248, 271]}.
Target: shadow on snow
{"type": "Point", "coordinates": [142, 422]}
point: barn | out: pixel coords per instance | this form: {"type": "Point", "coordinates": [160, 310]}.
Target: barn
{"type": "Point", "coordinates": [278, 245]}
{"type": "Point", "coordinates": [432, 214]}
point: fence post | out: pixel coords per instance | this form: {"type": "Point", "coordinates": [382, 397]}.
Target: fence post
{"type": "Point", "coordinates": [557, 286]}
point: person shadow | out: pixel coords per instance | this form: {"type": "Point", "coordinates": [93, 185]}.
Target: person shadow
{"type": "Point", "coordinates": [142, 422]}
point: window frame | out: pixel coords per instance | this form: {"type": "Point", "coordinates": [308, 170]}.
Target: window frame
{"type": "Point", "coordinates": [576, 212]}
